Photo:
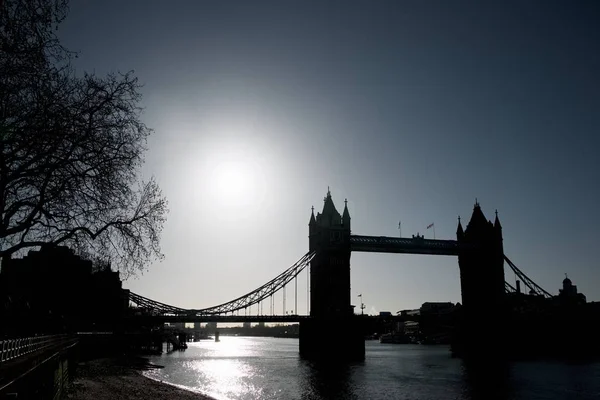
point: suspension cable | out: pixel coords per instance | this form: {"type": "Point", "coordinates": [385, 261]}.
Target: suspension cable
{"type": "Point", "coordinates": [253, 297]}
{"type": "Point", "coordinates": [526, 280]}
{"type": "Point", "coordinates": [284, 311]}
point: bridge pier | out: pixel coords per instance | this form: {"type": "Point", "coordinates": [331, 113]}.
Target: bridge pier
{"type": "Point", "coordinates": [339, 339]}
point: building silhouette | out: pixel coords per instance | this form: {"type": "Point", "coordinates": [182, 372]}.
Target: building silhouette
{"type": "Point", "coordinates": [569, 294]}
{"type": "Point", "coordinates": [53, 290]}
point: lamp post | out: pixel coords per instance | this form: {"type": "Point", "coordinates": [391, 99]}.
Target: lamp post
{"type": "Point", "coordinates": [362, 305]}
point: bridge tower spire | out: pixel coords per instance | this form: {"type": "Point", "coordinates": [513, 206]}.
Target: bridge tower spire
{"type": "Point", "coordinates": [497, 225]}
{"type": "Point", "coordinates": [346, 215]}
{"type": "Point", "coordinates": [312, 222]}
{"type": "Point", "coordinates": [459, 230]}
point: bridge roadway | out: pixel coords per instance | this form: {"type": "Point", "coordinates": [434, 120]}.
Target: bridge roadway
{"type": "Point", "coordinates": [171, 318]}
{"type": "Point", "coordinates": [246, 318]}
{"type": "Point", "coordinates": [416, 245]}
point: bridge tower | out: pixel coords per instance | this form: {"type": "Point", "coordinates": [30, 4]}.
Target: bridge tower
{"type": "Point", "coordinates": [330, 309]}
{"type": "Point", "coordinates": [329, 237]}
{"type": "Point", "coordinates": [481, 264]}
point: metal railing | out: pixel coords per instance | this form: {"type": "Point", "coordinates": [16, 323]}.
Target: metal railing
{"type": "Point", "coordinates": [14, 348]}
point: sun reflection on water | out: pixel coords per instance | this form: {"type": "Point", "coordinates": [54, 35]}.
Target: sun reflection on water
{"type": "Point", "coordinates": [240, 368]}
{"type": "Point", "coordinates": [224, 372]}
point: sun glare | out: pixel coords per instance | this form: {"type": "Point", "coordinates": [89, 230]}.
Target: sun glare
{"type": "Point", "coordinates": [236, 178]}
{"type": "Point", "coordinates": [232, 179]}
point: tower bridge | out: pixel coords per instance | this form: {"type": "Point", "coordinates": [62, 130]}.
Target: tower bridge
{"type": "Point", "coordinates": [481, 260]}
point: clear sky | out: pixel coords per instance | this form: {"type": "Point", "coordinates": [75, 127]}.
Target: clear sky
{"type": "Point", "coordinates": [409, 109]}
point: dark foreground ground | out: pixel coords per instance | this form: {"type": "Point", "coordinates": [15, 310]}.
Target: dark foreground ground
{"type": "Point", "coordinates": [107, 379]}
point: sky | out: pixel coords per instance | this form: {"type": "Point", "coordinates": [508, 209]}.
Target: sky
{"type": "Point", "coordinates": [409, 109]}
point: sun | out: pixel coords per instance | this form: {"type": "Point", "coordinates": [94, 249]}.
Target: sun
{"type": "Point", "coordinates": [236, 178]}
{"type": "Point", "coordinates": [233, 179]}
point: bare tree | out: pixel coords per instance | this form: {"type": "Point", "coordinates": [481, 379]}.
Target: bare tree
{"type": "Point", "coordinates": [71, 148]}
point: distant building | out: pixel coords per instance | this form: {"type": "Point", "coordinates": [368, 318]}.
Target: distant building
{"type": "Point", "coordinates": [400, 326]}
{"type": "Point", "coordinates": [411, 328]}
{"type": "Point", "coordinates": [568, 293]}
{"type": "Point", "coordinates": [436, 308]}
{"type": "Point", "coordinates": [408, 313]}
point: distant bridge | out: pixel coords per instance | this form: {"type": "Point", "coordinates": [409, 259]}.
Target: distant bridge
{"type": "Point", "coordinates": [178, 318]}
{"type": "Point", "coordinates": [182, 318]}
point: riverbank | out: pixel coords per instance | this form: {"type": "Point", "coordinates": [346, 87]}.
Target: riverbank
{"type": "Point", "coordinates": [107, 379]}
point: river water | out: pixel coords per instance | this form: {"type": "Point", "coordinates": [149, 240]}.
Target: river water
{"type": "Point", "coordinates": [270, 368]}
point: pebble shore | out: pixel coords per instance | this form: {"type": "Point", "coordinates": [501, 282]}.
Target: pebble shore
{"type": "Point", "coordinates": [107, 379]}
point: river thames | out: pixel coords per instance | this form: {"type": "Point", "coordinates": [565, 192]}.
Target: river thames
{"type": "Point", "coordinates": [246, 368]}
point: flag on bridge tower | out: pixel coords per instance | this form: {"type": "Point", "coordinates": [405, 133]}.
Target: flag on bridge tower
{"type": "Point", "coordinates": [431, 225]}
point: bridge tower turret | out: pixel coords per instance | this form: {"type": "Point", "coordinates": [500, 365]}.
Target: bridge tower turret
{"type": "Point", "coordinates": [329, 236]}
{"type": "Point", "coordinates": [312, 226]}
{"type": "Point", "coordinates": [346, 216]}
{"type": "Point", "coordinates": [459, 231]}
